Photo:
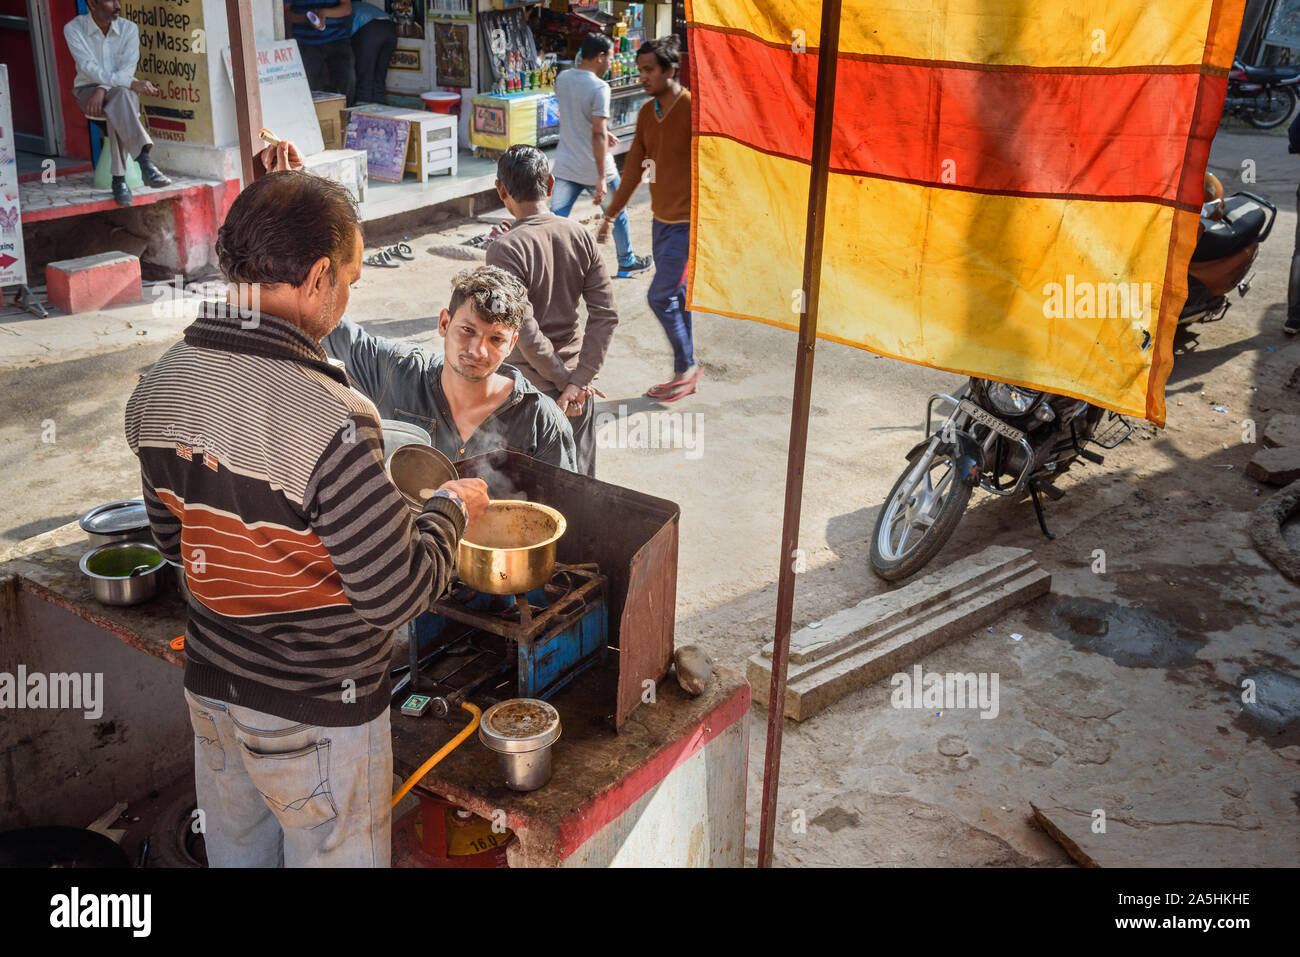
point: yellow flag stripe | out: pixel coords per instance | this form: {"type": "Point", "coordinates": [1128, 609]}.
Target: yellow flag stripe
{"type": "Point", "coordinates": [1010, 283]}
{"type": "Point", "coordinates": [773, 21]}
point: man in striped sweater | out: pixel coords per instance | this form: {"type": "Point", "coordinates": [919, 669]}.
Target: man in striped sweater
{"type": "Point", "coordinates": [263, 475]}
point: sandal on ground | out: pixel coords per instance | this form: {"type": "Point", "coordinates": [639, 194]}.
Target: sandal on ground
{"type": "Point", "coordinates": [676, 389]}
{"type": "Point", "coordinates": [400, 251]}
{"type": "Point", "coordinates": [380, 258]}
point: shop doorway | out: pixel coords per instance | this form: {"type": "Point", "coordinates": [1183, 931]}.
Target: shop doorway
{"type": "Point", "coordinates": [25, 46]}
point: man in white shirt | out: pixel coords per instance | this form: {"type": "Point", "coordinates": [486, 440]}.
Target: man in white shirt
{"type": "Point", "coordinates": [106, 49]}
{"type": "Point", "coordinates": [583, 161]}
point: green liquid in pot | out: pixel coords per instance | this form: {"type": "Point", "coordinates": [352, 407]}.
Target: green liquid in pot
{"type": "Point", "coordinates": [119, 562]}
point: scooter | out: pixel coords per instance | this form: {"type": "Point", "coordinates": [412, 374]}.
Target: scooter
{"type": "Point", "coordinates": [1231, 230]}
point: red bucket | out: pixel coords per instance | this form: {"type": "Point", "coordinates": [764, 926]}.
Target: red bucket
{"type": "Point", "coordinates": [441, 102]}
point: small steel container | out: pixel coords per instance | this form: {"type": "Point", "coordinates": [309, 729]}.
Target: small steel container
{"type": "Point", "coordinates": [109, 570]}
{"type": "Point", "coordinates": [126, 521]}
{"type": "Point", "coordinates": [521, 731]}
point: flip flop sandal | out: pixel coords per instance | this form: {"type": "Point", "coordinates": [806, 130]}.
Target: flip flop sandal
{"type": "Point", "coordinates": [682, 391]}
{"type": "Point", "coordinates": [401, 250]}
{"type": "Point", "coordinates": [380, 258]}
{"type": "Point", "coordinates": [664, 389]}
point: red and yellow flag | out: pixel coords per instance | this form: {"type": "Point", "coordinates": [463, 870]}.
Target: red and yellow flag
{"type": "Point", "coordinates": [1014, 185]}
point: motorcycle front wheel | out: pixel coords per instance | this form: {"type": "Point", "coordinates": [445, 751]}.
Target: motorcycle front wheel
{"type": "Point", "coordinates": [1276, 116]}
{"type": "Point", "coordinates": [918, 517]}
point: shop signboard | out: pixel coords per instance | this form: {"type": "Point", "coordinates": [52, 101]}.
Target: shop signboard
{"type": "Point", "coordinates": [288, 110]}
{"type": "Point", "coordinates": [13, 264]}
{"type": "Point", "coordinates": [174, 56]}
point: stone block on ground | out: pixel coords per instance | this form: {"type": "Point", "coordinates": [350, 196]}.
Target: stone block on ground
{"type": "Point", "coordinates": [889, 632]}
{"type": "Point", "coordinates": [1283, 431]}
{"type": "Point", "coordinates": [1199, 819]}
{"type": "Point", "coordinates": [1269, 528]}
{"type": "Point", "coordinates": [94, 282]}
{"type": "Point", "coordinates": [1280, 466]}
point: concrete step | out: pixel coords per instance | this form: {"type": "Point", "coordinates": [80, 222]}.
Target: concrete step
{"type": "Point", "coordinates": [887, 633]}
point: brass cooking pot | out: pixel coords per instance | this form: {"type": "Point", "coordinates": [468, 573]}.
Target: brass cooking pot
{"type": "Point", "coordinates": [510, 548]}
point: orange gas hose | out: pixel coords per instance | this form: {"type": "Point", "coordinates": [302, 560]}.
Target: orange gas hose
{"type": "Point", "coordinates": [445, 750]}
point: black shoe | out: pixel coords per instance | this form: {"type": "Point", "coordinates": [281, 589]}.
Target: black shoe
{"type": "Point", "coordinates": [121, 192]}
{"type": "Point", "coordinates": [638, 264]}
{"type": "Point", "coordinates": [151, 174]}
{"type": "Point", "coordinates": [1292, 325]}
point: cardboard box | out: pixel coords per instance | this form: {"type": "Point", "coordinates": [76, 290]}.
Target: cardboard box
{"type": "Point", "coordinates": [345, 167]}
{"type": "Point", "coordinates": [619, 8]}
{"type": "Point", "coordinates": [329, 112]}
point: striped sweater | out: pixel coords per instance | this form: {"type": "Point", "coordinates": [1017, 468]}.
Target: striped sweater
{"type": "Point", "coordinates": [262, 472]}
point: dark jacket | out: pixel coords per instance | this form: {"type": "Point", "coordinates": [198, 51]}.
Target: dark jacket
{"type": "Point", "coordinates": [405, 383]}
{"type": "Point", "coordinates": [263, 475]}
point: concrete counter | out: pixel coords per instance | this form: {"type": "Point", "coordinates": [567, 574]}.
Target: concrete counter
{"type": "Point", "coordinates": [117, 727]}
{"type": "Point", "coordinates": [669, 789]}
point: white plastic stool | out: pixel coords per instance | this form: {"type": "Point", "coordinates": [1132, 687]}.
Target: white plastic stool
{"type": "Point", "coordinates": [104, 168]}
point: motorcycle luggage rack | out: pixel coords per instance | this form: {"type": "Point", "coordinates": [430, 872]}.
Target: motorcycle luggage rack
{"type": "Point", "coordinates": [1114, 425]}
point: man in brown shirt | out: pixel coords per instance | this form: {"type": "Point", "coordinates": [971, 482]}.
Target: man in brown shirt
{"type": "Point", "coordinates": [558, 262]}
{"type": "Point", "coordinates": [661, 149]}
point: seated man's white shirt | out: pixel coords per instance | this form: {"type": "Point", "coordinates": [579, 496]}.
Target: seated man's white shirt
{"type": "Point", "coordinates": [102, 59]}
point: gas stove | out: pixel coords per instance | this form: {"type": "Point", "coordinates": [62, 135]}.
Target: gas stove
{"type": "Point", "coordinates": [497, 647]}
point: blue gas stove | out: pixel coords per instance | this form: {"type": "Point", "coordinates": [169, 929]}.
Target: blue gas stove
{"type": "Point", "coordinates": [497, 647]}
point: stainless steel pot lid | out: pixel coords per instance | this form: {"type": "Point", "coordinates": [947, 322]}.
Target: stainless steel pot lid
{"type": "Point", "coordinates": [116, 518]}
{"type": "Point", "coordinates": [518, 725]}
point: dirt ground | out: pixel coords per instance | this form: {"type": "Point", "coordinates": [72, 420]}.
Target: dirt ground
{"type": "Point", "coordinates": [1124, 687]}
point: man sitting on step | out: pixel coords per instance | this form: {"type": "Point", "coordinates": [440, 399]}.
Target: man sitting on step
{"type": "Point", "coordinates": [106, 49]}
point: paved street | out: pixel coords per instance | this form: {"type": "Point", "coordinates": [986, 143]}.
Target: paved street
{"type": "Point", "coordinates": [1123, 686]}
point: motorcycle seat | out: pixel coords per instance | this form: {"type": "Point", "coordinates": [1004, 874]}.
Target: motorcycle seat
{"type": "Point", "coordinates": [1222, 238]}
{"type": "Point", "coordinates": [1270, 74]}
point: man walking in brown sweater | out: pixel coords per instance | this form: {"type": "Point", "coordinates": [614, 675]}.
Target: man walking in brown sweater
{"type": "Point", "coordinates": [558, 261]}
{"type": "Point", "coordinates": [661, 150]}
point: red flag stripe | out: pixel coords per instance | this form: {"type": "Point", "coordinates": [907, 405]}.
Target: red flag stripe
{"type": "Point", "coordinates": [1087, 134]}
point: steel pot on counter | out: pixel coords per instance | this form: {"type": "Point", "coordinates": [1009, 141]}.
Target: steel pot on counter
{"type": "Point", "coordinates": [125, 521]}
{"type": "Point", "coordinates": [510, 548]}
{"type": "Point", "coordinates": [124, 573]}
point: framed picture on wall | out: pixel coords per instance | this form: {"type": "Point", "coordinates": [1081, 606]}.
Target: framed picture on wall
{"type": "Point", "coordinates": [408, 15]}
{"type": "Point", "coordinates": [451, 9]}
{"type": "Point", "coordinates": [452, 42]}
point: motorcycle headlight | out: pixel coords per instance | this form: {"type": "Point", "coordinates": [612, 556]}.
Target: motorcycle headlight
{"type": "Point", "coordinates": [1010, 399]}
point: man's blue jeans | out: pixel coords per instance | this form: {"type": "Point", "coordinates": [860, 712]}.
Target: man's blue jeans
{"type": "Point", "coordinates": [671, 245]}
{"type": "Point", "coordinates": [276, 793]}
{"type": "Point", "coordinates": [566, 193]}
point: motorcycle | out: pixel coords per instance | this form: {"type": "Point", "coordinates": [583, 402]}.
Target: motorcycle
{"type": "Point", "coordinates": [1231, 230]}
{"type": "Point", "coordinates": [1263, 95]}
{"type": "Point", "coordinates": [1008, 439]}
{"type": "Point", "coordinates": [1002, 438]}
